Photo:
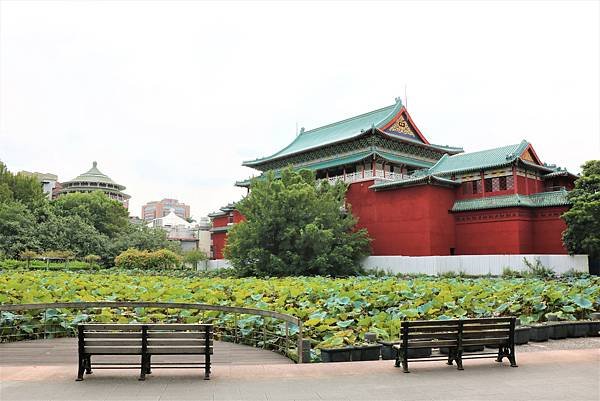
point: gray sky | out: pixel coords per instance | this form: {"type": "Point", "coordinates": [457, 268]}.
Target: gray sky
{"type": "Point", "coordinates": [171, 97]}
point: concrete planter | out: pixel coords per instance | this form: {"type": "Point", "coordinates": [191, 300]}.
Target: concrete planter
{"type": "Point", "coordinates": [336, 354]}
{"type": "Point", "coordinates": [594, 328]}
{"type": "Point", "coordinates": [539, 332]}
{"type": "Point", "coordinates": [577, 329]}
{"type": "Point", "coordinates": [388, 352]}
{"type": "Point", "coordinates": [522, 334]}
{"type": "Point", "coordinates": [366, 352]}
{"type": "Point", "coordinates": [558, 330]}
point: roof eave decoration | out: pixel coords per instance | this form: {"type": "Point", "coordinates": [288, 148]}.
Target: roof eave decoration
{"type": "Point", "coordinates": [542, 199]}
{"type": "Point", "coordinates": [409, 182]}
{"type": "Point", "coordinates": [404, 117]}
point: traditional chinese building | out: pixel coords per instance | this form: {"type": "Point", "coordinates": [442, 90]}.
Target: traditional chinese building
{"type": "Point", "coordinates": [420, 199]}
{"type": "Point", "coordinates": [94, 180]}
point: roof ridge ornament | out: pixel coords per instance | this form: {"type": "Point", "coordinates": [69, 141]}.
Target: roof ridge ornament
{"type": "Point", "coordinates": [94, 164]}
{"type": "Point", "coordinates": [398, 100]}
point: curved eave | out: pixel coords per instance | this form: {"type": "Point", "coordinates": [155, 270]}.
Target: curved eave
{"type": "Point", "coordinates": [397, 107]}
{"type": "Point", "coordinates": [75, 183]}
{"type": "Point", "coordinates": [561, 173]}
{"type": "Point", "coordinates": [425, 180]}
{"type": "Point", "coordinates": [539, 200]}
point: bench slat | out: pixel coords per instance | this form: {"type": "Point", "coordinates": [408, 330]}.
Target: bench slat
{"type": "Point", "coordinates": [431, 344]}
{"type": "Point", "coordinates": [151, 327]}
{"type": "Point", "coordinates": [114, 343]}
{"type": "Point", "coordinates": [486, 326]}
{"type": "Point", "coordinates": [485, 341]}
{"type": "Point", "coordinates": [113, 350]}
{"type": "Point", "coordinates": [432, 323]}
{"type": "Point", "coordinates": [487, 334]}
{"type": "Point", "coordinates": [178, 350]}
{"type": "Point", "coordinates": [433, 329]}
{"type": "Point", "coordinates": [444, 336]}
{"type": "Point", "coordinates": [122, 335]}
{"type": "Point", "coordinates": [178, 342]}
{"type": "Point", "coordinates": [178, 334]}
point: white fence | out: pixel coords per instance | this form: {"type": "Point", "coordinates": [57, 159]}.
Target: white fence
{"type": "Point", "coordinates": [477, 265]}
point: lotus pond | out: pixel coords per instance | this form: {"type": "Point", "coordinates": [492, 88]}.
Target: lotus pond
{"type": "Point", "coordinates": [334, 311]}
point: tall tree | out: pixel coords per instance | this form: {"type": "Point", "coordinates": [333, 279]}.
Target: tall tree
{"type": "Point", "coordinates": [583, 219]}
{"type": "Point", "coordinates": [106, 215]}
{"type": "Point", "coordinates": [296, 226]}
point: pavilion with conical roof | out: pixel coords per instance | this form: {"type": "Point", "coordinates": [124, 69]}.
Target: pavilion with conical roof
{"type": "Point", "coordinates": [95, 180]}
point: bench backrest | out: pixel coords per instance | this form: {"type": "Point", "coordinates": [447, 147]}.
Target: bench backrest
{"type": "Point", "coordinates": [137, 339]}
{"type": "Point", "coordinates": [454, 333]}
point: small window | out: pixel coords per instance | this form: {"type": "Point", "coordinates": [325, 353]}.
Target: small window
{"type": "Point", "coordinates": [488, 185]}
{"type": "Point", "coordinates": [502, 183]}
{"type": "Point", "coordinates": [230, 218]}
{"type": "Point", "coordinates": [476, 187]}
{"type": "Point", "coordinates": [467, 187]}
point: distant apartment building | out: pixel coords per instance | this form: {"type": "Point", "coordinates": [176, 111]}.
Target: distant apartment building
{"type": "Point", "coordinates": [158, 209]}
{"type": "Point", "coordinates": [47, 180]}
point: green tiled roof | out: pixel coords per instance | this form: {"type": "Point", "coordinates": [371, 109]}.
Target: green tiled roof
{"type": "Point", "coordinates": [403, 159]}
{"type": "Point", "coordinates": [429, 179]}
{"type": "Point", "coordinates": [335, 132]}
{"type": "Point", "coordinates": [464, 162]}
{"type": "Point", "coordinates": [542, 199]}
{"type": "Point", "coordinates": [94, 175]}
{"type": "Point", "coordinates": [345, 130]}
{"type": "Point", "coordinates": [559, 173]}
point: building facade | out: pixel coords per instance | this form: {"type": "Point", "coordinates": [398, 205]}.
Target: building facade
{"type": "Point", "coordinates": [48, 181]}
{"type": "Point", "coordinates": [420, 199]}
{"type": "Point", "coordinates": [157, 209]}
{"type": "Point", "coordinates": [94, 180]}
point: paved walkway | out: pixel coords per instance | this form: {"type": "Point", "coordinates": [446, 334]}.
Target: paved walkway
{"type": "Point", "coordinates": [547, 374]}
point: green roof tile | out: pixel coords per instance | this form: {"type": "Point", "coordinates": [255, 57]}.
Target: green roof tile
{"type": "Point", "coordinates": [542, 199]}
{"type": "Point", "coordinates": [464, 162]}
{"type": "Point", "coordinates": [335, 132]}
{"type": "Point", "coordinates": [94, 175]}
{"type": "Point", "coordinates": [428, 179]}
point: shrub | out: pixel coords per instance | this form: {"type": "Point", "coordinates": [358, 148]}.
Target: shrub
{"type": "Point", "coordinates": [136, 259]}
{"type": "Point", "coordinates": [537, 269]}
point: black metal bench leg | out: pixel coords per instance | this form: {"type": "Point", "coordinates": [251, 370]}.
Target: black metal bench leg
{"type": "Point", "coordinates": [88, 365]}
{"type": "Point", "coordinates": [404, 361]}
{"type": "Point", "coordinates": [143, 369]}
{"type": "Point", "coordinates": [81, 369]}
{"type": "Point", "coordinates": [512, 359]}
{"type": "Point", "coordinates": [458, 360]}
{"type": "Point", "coordinates": [501, 355]}
{"type": "Point", "coordinates": [450, 356]}
{"type": "Point", "coordinates": [149, 364]}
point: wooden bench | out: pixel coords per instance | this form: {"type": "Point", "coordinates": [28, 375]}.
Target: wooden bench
{"type": "Point", "coordinates": [144, 340]}
{"type": "Point", "coordinates": [456, 335]}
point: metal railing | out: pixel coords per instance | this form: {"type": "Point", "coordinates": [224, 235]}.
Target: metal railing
{"type": "Point", "coordinates": [260, 328]}
{"type": "Point", "coordinates": [366, 175]}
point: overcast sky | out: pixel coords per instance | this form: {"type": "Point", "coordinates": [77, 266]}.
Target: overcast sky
{"type": "Point", "coordinates": [171, 97]}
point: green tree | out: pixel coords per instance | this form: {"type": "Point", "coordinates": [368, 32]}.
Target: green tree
{"type": "Point", "coordinates": [296, 226]}
{"type": "Point", "coordinates": [106, 215]}
{"type": "Point", "coordinates": [74, 234]}
{"type": "Point", "coordinates": [17, 229]}
{"type": "Point", "coordinates": [194, 256]}
{"type": "Point", "coordinates": [583, 219]}
{"type": "Point", "coordinates": [143, 237]}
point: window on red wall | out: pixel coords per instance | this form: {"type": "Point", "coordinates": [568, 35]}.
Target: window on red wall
{"type": "Point", "coordinates": [502, 183]}
{"type": "Point", "coordinates": [467, 187]}
{"type": "Point", "coordinates": [488, 185]}
{"type": "Point", "coordinates": [477, 187]}
{"type": "Point", "coordinates": [230, 218]}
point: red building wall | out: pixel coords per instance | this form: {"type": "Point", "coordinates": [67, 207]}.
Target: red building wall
{"type": "Point", "coordinates": [219, 239]}
{"type": "Point", "coordinates": [408, 221]}
{"type": "Point", "coordinates": [547, 230]}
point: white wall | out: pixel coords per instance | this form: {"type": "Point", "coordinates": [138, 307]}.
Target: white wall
{"type": "Point", "coordinates": [468, 264]}
{"type": "Point", "coordinates": [472, 264]}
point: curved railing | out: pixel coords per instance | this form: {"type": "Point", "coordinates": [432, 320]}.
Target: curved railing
{"type": "Point", "coordinates": [271, 330]}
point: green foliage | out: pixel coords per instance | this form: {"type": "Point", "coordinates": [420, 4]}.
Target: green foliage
{"type": "Point", "coordinates": [106, 215]}
{"type": "Point", "coordinates": [20, 188]}
{"type": "Point", "coordinates": [295, 226]}
{"type": "Point", "coordinates": [193, 257]}
{"type": "Point", "coordinates": [583, 219]}
{"type": "Point", "coordinates": [537, 269]}
{"type": "Point", "coordinates": [331, 309]}
{"type": "Point", "coordinates": [136, 259]}
{"type": "Point", "coordinates": [17, 229]}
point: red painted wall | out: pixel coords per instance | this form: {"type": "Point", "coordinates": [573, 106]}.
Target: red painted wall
{"type": "Point", "coordinates": [415, 221]}
{"type": "Point", "coordinates": [494, 231]}
{"type": "Point", "coordinates": [407, 221]}
{"type": "Point", "coordinates": [547, 230]}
